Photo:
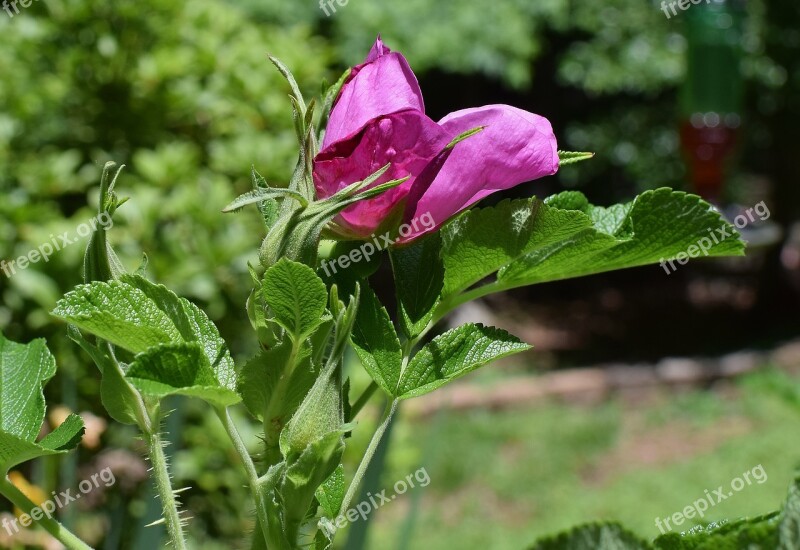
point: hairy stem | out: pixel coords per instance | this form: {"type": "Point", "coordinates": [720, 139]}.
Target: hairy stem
{"type": "Point", "coordinates": [164, 486]}
{"type": "Point", "coordinates": [64, 535]}
{"type": "Point", "coordinates": [250, 467]}
{"type": "Point", "coordinates": [370, 452]}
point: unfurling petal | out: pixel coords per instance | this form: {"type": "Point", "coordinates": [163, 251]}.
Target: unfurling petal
{"type": "Point", "coordinates": [408, 140]}
{"type": "Point", "coordinates": [515, 146]}
{"type": "Point", "coordinates": [383, 85]}
{"type": "Point", "coordinates": [379, 49]}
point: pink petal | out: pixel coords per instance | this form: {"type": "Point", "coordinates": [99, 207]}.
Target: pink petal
{"type": "Point", "coordinates": [378, 50]}
{"type": "Point", "coordinates": [515, 146]}
{"type": "Point", "coordinates": [383, 85]}
{"type": "Point", "coordinates": [407, 139]}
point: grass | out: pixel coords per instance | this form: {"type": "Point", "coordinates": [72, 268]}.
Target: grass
{"type": "Point", "coordinates": [502, 479]}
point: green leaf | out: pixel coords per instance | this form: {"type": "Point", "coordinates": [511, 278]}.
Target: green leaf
{"type": "Point", "coordinates": [331, 493]}
{"type": "Point", "coordinates": [269, 208]}
{"type": "Point", "coordinates": [267, 393]}
{"type": "Point", "coordinates": [789, 526]}
{"type": "Point", "coordinates": [137, 315]}
{"type": "Point", "coordinates": [419, 276]}
{"type": "Point", "coordinates": [100, 262]}
{"type": "Point", "coordinates": [367, 260]}
{"type": "Point", "coordinates": [297, 297]}
{"type": "Point", "coordinates": [193, 325]}
{"type": "Point", "coordinates": [596, 536]}
{"type": "Point", "coordinates": [179, 369]}
{"type": "Point", "coordinates": [305, 475]}
{"type": "Point", "coordinates": [482, 241]}
{"type": "Point", "coordinates": [262, 194]}
{"type": "Point", "coordinates": [24, 369]}
{"type": "Point", "coordinates": [454, 354]}
{"type": "Point", "coordinates": [527, 241]}
{"type": "Point", "coordinates": [296, 234]}
{"type": "Point", "coordinates": [118, 396]}
{"type": "Point", "coordinates": [375, 342]}
{"type": "Point", "coordinates": [322, 411]}
{"type": "Point", "coordinates": [65, 437]}
{"type": "Point", "coordinates": [287, 74]}
{"type": "Point", "coordinates": [268, 492]}
{"type": "Point", "coordinates": [658, 224]}
{"type": "Point", "coordinates": [759, 533]}
{"type": "Point", "coordinates": [118, 313]}
{"type": "Point", "coordinates": [571, 157]}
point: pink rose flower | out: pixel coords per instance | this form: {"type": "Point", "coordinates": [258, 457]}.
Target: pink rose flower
{"type": "Point", "coordinates": [379, 118]}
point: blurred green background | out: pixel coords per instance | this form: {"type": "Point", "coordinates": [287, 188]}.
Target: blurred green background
{"type": "Point", "coordinates": [182, 93]}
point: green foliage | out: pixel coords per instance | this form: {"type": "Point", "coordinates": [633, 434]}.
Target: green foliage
{"type": "Point", "coordinates": [100, 262]}
{"type": "Point", "coordinates": [776, 530]}
{"type": "Point", "coordinates": [179, 349]}
{"type": "Point", "coordinates": [304, 475]}
{"type": "Point", "coordinates": [376, 344]}
{"type": "Point", "coordinates": [179, 369]}
{"type": "Point", "coordinates": [599, 536]}
{"type": "Point", "coordinates": [419, 276]}
{"type": "Point", "coordinates": [331, 493]}
{"type": "Point", "coordinates": [262, 379]}
{"type": "Point", "coordinates": [528, 241]}
{"type": "Point", "coordinates": [24, 369]}
{"type": "Point", "coordinates": [119, 313]}
{"type": "Point", "coordinates": [756, 534]}
{"type": "Point", "coordinates": [296, 296]}
{"type": "Point", "coordinates": [186, 106]}
{"type": "Point", "coordinates": [789, 526]}
{"type": "Point", "coordinates": [571, 157]}
{"type": "Point", "coordinates": [454, 354]}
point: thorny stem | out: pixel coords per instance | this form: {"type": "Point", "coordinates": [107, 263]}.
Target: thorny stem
{"type": "Point", "coordinates": [64, 535]}
{"type": "Point", "coordinates": [164, 486]}
{"type": "Point", "coordinates": [155, 450]}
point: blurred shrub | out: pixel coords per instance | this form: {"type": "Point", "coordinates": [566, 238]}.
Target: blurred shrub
{"type": "Point", "coordinates": [181, 93]}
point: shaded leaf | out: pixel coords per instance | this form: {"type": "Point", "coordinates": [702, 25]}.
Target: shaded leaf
{"type": "Point", "coordinates": [759, 533]}
{"type": "Point", "coordinates": [454, 354]}
{"type": "Point", "coordinates": [595, 536]}
{"type": "Point", "coordinates": [526, 242]}
{"type": "Point", "coordinates": [419, 277]}
{"type": "Point", "coordinates": [375, 342]}
{"type": "Point", "coordinates": [24, 369]}
{"type": "Point", "coordinates": [179, 369]}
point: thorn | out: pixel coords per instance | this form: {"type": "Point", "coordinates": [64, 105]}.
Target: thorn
{"type": "Point", "coordinates": [156, 522]}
